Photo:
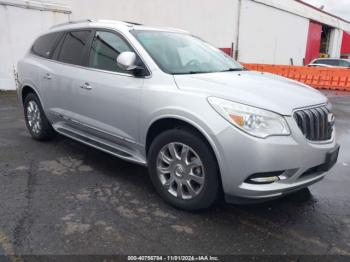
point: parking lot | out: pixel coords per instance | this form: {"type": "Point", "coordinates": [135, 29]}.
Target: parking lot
{"type": "Point", "coordinates": [63, 197]}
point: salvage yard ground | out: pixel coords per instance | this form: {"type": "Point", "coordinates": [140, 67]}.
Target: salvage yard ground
{"type": "Point", "coordinates": [63, 197]}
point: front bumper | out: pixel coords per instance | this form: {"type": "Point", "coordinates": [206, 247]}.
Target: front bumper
{"type": "Point", "coordinates": [241, 155]}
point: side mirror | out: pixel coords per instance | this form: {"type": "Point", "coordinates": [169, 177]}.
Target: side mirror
{"type": "Point", "coordinates": [127, 61]}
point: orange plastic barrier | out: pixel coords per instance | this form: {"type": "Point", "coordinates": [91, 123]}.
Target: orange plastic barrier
{"type": "Point", "coordinates": [321, 78]}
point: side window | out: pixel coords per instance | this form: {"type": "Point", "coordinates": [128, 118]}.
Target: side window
{"type": "Point", "coordinates": [73, 47]}
{"type": "Point", "coordinates": [105, 49]}
{"type": "Point", "coordinates": [332, 62]}
{"type": "Point", "coordinates": [44, 45]}
{"type": "Point", "coordinates": [335, 62]}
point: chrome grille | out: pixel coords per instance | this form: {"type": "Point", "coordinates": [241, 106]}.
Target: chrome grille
{"type": "Point", "coordinates": [315, 123]}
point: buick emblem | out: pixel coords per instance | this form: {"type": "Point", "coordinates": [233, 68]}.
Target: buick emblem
{"type": "Point", "coordinates": [331, 118]}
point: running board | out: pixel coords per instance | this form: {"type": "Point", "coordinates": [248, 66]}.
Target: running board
{"type": "Point", "coordinates": [99, 144]}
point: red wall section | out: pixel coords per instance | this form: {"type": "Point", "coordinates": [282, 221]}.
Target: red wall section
{"type": "Point", "coordinates": [345, 47]}
{"type": "Point", "coordinates": [313, 42]}
{"type": "Point", "coordinates": [226, 50]}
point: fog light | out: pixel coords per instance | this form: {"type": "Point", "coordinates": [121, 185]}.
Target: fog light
{"type": "Point", "coordinates": [265, 178]}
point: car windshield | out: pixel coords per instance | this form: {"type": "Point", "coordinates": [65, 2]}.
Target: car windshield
{"type": "Point", "coordinates": [180, 53]}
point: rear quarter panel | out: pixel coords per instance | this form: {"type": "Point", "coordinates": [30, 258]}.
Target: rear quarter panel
{"type": "Point", "coordinates": [29, 74]}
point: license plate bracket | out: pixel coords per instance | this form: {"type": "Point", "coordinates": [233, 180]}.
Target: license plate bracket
{"type": "Point", "coordinates": [331, 159]}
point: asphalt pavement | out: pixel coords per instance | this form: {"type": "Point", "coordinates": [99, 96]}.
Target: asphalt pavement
{"type": "Point", "coordinates": [62, 197]}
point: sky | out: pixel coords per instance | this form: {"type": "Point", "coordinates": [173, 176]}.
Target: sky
{"type": "Point", "coordinates": [340, 8]}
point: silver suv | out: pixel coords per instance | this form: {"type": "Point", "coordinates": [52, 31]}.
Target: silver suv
{"type": "Point", "coordinates": [160, 97]}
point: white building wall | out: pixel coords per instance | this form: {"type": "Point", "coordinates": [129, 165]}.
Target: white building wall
{"type": "Point", "coordinates": [272, 36]}
{"type": "Point", "coordinates": [268, 34]}
{"type": "Point", "coordinates": [270, 31]}
{"type": "Point", "coordinates": [19, 27]}
{"type": "Point", "coordinates": [214, 21]}
{"type": "Point", "coordinates": [299, 9]}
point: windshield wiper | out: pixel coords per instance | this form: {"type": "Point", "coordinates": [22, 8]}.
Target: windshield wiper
{"type": "Point", "coordinates": [234, 69]}
{"type": "Point", "coordinates": [192, 73]}
{"type": "Point", "coordinates": [198, 72]}
{"type": "Point", "coordinates": [209, 72]}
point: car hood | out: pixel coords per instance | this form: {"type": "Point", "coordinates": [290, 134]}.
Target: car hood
{"type": "Point", "coordinates": [263, 90]}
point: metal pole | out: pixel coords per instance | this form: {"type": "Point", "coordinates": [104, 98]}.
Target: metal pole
{"type": "Point", "coordinates": [238, 29]}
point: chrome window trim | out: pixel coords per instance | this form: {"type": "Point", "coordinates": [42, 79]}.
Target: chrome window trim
{"type": "Point", "coordinates": [100, 70]}
{"type": "Point", "coordinates": [90, 68]}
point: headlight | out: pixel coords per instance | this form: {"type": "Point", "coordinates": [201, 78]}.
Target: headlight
{"type": "Point", "coordinates": [252, 120]}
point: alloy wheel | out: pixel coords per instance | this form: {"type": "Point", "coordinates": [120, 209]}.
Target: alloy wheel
{"type": "Point", "coordinates": [34, 117]}
{"type": "Point", "coordinates": [180, 170]}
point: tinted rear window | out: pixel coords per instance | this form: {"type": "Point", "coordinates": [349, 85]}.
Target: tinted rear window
{"type": "Point", "coordinates": [333, 62]}
{"type": "Point", "coordinates": [73, 47]}
{"type": "Point", "coordinates": [44, 45]}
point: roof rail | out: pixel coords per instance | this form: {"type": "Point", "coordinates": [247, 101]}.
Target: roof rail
{"type": "Point", "coordinates": [132, 23]}
{"type": "Point", "coordinates": [117, 21]}
{"type": "Point", "coordinates": [72, 22]}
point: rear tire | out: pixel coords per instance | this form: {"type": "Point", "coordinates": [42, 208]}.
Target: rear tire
{"type": "Point", "coordinates": [37, 123]}
{"type": "Point", "coordinates": [184, 170]}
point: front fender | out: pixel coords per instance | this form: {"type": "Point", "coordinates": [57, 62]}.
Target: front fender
{"type": "Point", "coordinates": [202, 124]}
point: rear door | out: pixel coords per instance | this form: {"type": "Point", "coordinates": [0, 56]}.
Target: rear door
{"type": "Point", "coordinates": [66, 73]}
{"type": "Point", "coordinates": [44, 48]}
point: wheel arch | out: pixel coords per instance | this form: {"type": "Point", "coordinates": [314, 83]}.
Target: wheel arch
{"type": "Point", "coordinates": [164, 123]}
{"type": "Point", "coordinates": [27, 89]}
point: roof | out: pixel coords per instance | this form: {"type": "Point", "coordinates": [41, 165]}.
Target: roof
{"type": "Point", "coordinates": [322, 11]}
{"type": "Point", "coordinates": [302, 9]}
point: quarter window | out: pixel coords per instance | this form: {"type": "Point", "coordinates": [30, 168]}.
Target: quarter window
{"type": "Point", "coordinates": [44, 45]}
{"type": "Point", "coordinates": [344, 63]}
{"type": "Point", "coordinates": [73, 47]}
{"type": "Point", "coordinates": [105, 49]}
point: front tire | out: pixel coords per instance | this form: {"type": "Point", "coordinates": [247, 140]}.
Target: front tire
{"type": "Point", "coordinates": [184, 170]}
{"type": "Point", "coordinates": [38, 125]}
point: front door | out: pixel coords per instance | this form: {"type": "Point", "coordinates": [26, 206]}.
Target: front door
{"type": "Point", "coordinates": [109, 98]}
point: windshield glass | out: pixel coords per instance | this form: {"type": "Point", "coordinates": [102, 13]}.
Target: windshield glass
{"type": "Point", "coordinates": [178, 53]}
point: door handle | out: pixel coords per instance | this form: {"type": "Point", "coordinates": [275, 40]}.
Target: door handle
{"type": "Point", "coordinates": [47, 76]}
{"type": "Point", "coordinates": [86, 86]}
